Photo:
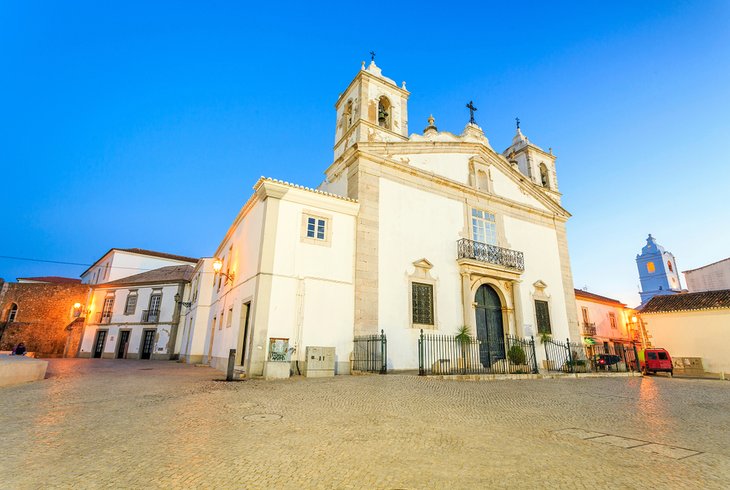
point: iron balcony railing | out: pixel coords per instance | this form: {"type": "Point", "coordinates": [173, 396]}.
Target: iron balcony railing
{"type": "Point", "coordinates": [589, 328]}
{"type": "Point", "coordinates": [152, 316]}
{"type": "Point", "coordinates": [103, 317]}
{"type": "Point", "coordinates": [492, 254]}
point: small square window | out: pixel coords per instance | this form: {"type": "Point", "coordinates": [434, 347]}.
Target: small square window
{"type": "Point", "coordinates": [315, 229]}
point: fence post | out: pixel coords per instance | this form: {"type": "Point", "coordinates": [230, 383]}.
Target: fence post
{"type": "Point", "coordinates": [383, 353]}
{"type": "Point", "coordinates": [421, 371]}
{"type": "Point", "coordinates": [534, 355]}
{"type": "Point", "coordinates": [570, 356]}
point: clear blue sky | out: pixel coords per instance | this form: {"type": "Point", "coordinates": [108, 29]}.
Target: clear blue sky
{"type": "Point", "coordinates": [145, 124]}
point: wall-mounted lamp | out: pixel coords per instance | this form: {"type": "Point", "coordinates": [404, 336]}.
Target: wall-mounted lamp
{"type": "Point", "coordinates": [186, 304]}
{"type": "Point", "coordinates": [78, 310]}
{"type": "Point", "coordinates": [218, 268]}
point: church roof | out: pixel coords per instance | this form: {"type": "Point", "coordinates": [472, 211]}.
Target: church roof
{"type": "Point", "coordinates": [171, 273]}
{"type": "Point", "coordinates": [301, 187]}
{"type": "Point", "coordinates": [50, 280]}
{"type": "Point", "coordinates": [705, 300]}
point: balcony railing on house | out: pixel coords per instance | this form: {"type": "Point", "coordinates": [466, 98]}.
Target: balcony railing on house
{"type": "Point", "coordinates": [150, 316]}
{"type": "Point", "coordinates": [589, 329]}
{"type": "Point", "coordinates": [492, 254]}
{"type": "Point", "coordinates": [102, 317]}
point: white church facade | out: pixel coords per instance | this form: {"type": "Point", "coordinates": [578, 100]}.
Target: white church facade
{"type": "Point", "coordinates": [408, 233]}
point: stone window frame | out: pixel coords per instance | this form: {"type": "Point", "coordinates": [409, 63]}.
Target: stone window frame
{"type": "Point", "coordinates": [229, 318]}
{"type": "Point", "coordinates": [12, 312]}
{"type": "Point", "coordinates": [109, 299]}
{"type": "Point", "coordinates": [327, 218]}
{"type": "Point", "coordinates": [544, 176]}
{"type": "Point", "coordinates": [539, 294]}
{"type": "Point", "coordinates": [422, 275]}
{"type": "Point", "coordinates": [480, 204]}
{"type": "Point", "coordinates": [612, 320]}
{"type": "Point", "coordinates": [479, 165]}
{"type": "Point", "coordinates": [131, 294]}
{"type": "Point", "coordinates": [485, 213]}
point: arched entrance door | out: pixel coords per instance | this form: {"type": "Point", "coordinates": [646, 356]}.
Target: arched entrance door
{"type": "Point", "coordinates": [490, 330]}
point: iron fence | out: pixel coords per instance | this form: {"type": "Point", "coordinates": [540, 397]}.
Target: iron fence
{"type": "Point", "coordinates": [613, 357]}
{"type": "Point", "coordinates": [370, 353]}
{"type": "Point", "coordinates": [448, 354]}
{"type": "Point", "coordinates": [566, 357]}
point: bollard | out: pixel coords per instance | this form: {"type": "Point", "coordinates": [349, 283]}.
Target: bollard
{"type": "Point", "coordinates": [231, 363]}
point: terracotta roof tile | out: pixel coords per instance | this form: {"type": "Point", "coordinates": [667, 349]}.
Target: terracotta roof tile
{"type": "Point", "coordinates": [705, 300]}
{"type": "Point", "coordinates": [171, 273]}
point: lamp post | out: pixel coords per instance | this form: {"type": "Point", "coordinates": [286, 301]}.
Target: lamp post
{"type": "Point", "coordinates": [186, 304]}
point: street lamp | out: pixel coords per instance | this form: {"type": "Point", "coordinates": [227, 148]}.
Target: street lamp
{"type": "Point", "coordinates": [218, 269]}
{"type": "Point", "coordinates": [186, 304]}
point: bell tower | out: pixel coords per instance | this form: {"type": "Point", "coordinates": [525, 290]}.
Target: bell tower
{"type": "Point", "coordinates": [657, 271]}
{"type": "Point", "coordinates": [372, 109]}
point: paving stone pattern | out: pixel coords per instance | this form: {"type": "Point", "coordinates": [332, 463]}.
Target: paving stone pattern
{"type": "Point", "coordinates": [161, 424]}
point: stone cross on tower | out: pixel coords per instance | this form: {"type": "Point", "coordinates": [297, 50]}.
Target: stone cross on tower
{"type": "Point", "coordinates": [517, 120]}
{"type": "Point", "coordinates": [471, 108]}
{"type": "Point", "coordinates": [372, 55]}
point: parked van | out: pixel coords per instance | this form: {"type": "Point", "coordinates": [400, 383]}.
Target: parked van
{"type": "Point", "coordinates": [655, 360]}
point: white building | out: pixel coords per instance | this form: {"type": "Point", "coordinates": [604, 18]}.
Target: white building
{"type": "Point", "coordinates": [138, 313]}
{"type": "Point", "coordinates": [429, 231]}
{"type": "Point", "coordinates": [711, 277]}
{"type": "Point", "coordinates": [605, 321]}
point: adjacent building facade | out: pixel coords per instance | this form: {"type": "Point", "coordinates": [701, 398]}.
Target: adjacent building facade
{"type": "Point", "coordinates": [711, 277]}
{"type": "Point", "coordinates": [429, 232]}
{"type": "Point", "coordinates": [606, 322]}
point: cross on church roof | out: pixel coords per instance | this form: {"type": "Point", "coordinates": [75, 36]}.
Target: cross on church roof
{"type": "Point", "coordinates": [471, 108]}
{"type": "Point", "coordinates": [517, 119]}
{"type": "Point", "coordinates": [372, 55]}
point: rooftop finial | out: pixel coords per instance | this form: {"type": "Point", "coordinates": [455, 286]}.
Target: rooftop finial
{"type": "Point", "coordinates": [372, 56]}
{"type": "Point", "coordinates": [517, 120]}
{"type": "Point", "coordinates": [471, 108]}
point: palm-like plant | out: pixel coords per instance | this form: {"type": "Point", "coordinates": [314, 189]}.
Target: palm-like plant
{"type": "Point", "coordinates": [463, 338]}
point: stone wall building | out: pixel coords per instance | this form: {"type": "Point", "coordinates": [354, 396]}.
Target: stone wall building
{"type": "Point", "coordinates": [37, 313]}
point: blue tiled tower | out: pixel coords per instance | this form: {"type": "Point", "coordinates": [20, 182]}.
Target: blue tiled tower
{"type": "Point", "coordinates": [657, 271]}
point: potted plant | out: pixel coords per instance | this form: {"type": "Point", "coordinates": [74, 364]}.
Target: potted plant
{"type": "Point", "coordinates": [518, 358]}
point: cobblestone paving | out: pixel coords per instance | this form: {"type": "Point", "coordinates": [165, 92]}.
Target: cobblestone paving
{"type": "Point", "coordinates": [158, 424]}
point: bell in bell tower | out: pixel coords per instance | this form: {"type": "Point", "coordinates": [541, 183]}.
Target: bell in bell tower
{"type": "Point", "coordinates": [373, 108]}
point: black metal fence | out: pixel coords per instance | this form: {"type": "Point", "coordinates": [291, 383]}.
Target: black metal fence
{"type": "Point", "coordinates": [370, 353]}
{"type": "Point", "coordinates": [447, 354]}
{"type": "Point", "coordinates": [570, 357]}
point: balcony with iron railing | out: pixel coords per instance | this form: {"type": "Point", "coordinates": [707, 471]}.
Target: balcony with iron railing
{"type": "Point", "coordinates": [589, 329]}
{"type": "Point", "coordinates": [490, 254]}
{"type": "Point", "coordinates": [104, 317]}
{"type": "Point", "coordinates": [150, 316]}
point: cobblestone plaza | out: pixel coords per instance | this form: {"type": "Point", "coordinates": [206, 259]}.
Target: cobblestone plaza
{"type": "Point", "coordinates": [135, 424]}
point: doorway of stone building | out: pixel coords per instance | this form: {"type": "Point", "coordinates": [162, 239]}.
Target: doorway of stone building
{"type": "Point", "coordinates": [245, 320]}
{"type": "Point", "coordinates": [123, 344]}
{"type": "Point", "coordinates": [99, 344]}
{"type": "Point", "coordinates": [490, 329]}
{"type": "Point", "coordinates": [148, 340]}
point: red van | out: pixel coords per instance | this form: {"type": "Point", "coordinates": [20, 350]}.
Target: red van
{"type": "Point", "coordinates": [655, 360]}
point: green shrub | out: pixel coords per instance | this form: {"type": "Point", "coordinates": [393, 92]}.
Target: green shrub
{"type": "Point", "coordinates": [516, 355]}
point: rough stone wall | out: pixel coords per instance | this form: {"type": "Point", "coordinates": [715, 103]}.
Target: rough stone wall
{"type": "Point", "coordinates": [44, 312]}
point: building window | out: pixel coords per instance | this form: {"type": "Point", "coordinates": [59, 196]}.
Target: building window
{"type": "Point", "coordinates": [422, 301]}
{"type": "Point", "coordinates": [650, 267]}
{"type": "Point", "coordinates": [316, 228]}
{"type": "Point", "coordinates": [12, 313]}
{"type": "Point", "coordinates": [586, 317]}
{"type": "Point", "coordinates": [669, 265]}
{"type": "Point", "coordinates": [542, 312]}
{"type": "Point", "coordinates": [484, 227]}
{"type": "Point", "coordinates": [131, 304]}
{"type": "Point", "coordinates": [229, 318]}
{"type": "Point", "coordinates": [220, 322]}
{"type": "Point", "coordinates": [153, 313]}
{"type": "Point", "coordinates": [347, 117]}
{"type": "Point", "coordinates": [612, 320]}
{"type": "Point", "coordinates": [106, 310]}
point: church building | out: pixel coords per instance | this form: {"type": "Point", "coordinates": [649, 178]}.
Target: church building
{"type": "Point", "coordinates": [428, 232]}
{"type": "Point", "coordinates": [658, 271]}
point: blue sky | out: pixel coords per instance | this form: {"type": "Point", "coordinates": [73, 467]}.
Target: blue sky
{"type": "Point", "coordinates": [145, 124]}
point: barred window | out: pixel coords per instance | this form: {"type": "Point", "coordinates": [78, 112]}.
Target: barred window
{"type": "Point", "coordinates": [612, 320]}
{"type": "Point", "coordinates": [422, 299]}
{"type": "Point", "coordinates": [542, 312]}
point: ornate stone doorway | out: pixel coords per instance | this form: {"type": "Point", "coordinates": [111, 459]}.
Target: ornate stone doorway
{"type": "Point", "coordinates": [490, 329]}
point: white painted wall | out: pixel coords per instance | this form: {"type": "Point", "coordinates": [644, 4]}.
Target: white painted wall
{"type": "Point", "coordinates": [702, 333]}
{"type": "Point", "coordinates": [713, 277]}
{"type": "Point", "coordinates": [453, 166]}
{"type": "Point", "coordinates": [598, 313]}
{"type": "Point", "coordinates": [118, 264]}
